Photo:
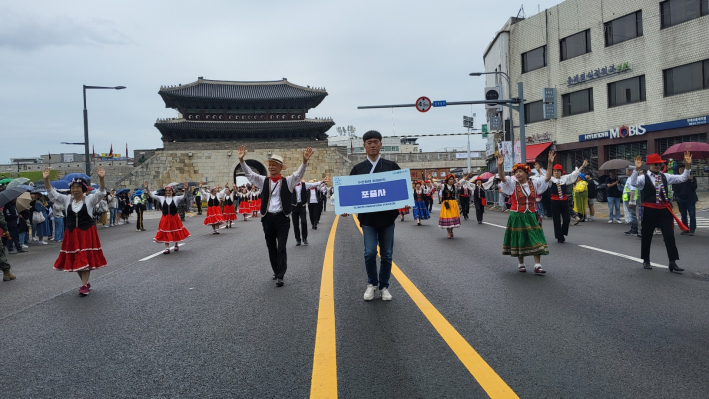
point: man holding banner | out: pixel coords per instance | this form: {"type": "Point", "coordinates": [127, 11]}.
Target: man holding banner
{"type": "Point", "coordinates": [365, 197]}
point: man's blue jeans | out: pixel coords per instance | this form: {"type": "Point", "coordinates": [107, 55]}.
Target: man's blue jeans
{"type": "Point", "coordinates": [613, 203]}
{"type": "Point", "coordinates": [384, 237]}
{"type": "Point", "coordinates": [58, 229]}
{"type": "Point", "coordinates": [113, 213]}
{"type": "Point", "coordinates": [691, 209]}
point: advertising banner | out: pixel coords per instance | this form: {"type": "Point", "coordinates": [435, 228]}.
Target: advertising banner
{"type": "Point", "coordinates": [373, 192]}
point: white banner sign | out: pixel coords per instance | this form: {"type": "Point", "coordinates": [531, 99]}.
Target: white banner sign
{"type": "Point", "coordinates": [68, 157]}
{"type": "Point", "coordinates": [518, 152]}
{"type": "Point", "coordinates": [463, 155]}
{"type": "Point", "coordinates": [506, 151]}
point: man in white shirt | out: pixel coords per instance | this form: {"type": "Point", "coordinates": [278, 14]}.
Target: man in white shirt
{"type": "Point", "coordinates": [276, 202]}
{"type": "Point", "coordinates": [301, 200]}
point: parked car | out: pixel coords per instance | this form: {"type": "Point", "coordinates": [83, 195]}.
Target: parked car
{"type": "Point", "coordinates": [601, 195]}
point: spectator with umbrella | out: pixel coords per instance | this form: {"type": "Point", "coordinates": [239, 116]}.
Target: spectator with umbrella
{"type": "Point", "coordinates": [4, 265]}
{"type": "Point", "coordinates": [81, 249]}
{"type": "Point", "coordinates": [8, 200]}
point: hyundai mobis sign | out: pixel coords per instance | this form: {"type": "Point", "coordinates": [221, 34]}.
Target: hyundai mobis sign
{"type": "Point", "coordinates": [626, 131]}
{"type": "Point", "coordinates": [617, 133]}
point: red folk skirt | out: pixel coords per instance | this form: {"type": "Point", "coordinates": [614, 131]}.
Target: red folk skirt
{"type": "Point", "coordinates": [229, 212]}
{"type": "Point", "coordinates": [171, 230]}
{"type": "Point", "coordinates": [81, 251]}
{"type": "Point", "coordinates": [244, 207]}
{"type": "Point", "coordinates": [214, 216]}
{"type": "Point", "coordinates": [256, 205]}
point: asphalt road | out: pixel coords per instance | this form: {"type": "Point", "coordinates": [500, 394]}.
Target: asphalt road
{"type": "Point", "coordinates": [208, 321]}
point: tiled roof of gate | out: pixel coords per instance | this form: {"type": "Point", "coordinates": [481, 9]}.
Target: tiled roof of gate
{"type": "Point", "coordinates": [240, 92]}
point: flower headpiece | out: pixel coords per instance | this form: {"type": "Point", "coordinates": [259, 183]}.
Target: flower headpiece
{"type": "Point", "coordinates": [449, 176]}
{"type": "Point", "coordinates": [81, 182]}
{"type": "Point", "coordinates": [522, 166]}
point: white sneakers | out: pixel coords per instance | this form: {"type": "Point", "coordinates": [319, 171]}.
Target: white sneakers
{"type": "Point", "coordinates": [369, 293]}
{"type": "Point", "coordinates": [610, 221]}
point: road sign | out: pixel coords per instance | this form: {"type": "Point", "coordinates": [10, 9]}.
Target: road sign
{"type": "Point", "coordinates": [493, 93]}
{"type": "Point", "coordinates": [495, 123]}
{"type": "Point", "coordinates": [469, 122]}
{"type": "Point", "coordinates": [439, 103]}
{"type": "Point", "coordinates": [423, 104]}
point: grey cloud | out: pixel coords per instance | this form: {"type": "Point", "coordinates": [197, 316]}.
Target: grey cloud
{"type": "Point", "coordinates": [24, 33]}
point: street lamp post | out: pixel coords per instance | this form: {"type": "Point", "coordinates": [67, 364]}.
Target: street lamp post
{"type": "Point", "coordinates": [86, 126]}
{"type": "Point", "coordinates": [520, 110]}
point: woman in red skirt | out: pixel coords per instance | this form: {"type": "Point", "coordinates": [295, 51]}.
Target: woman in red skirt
{"type": "Point", "coordinates": [229, 209]}
{"type": "Point", "coordinates": [170, 228]}
{"type": "Point", "coordinates": [244, 203]}
{"type": "Point", "coordinates": [81, 249]}
{"type": "Point", "coordinates": [214, 211]}
{"type": "Point", "coordinates": [255, 196]}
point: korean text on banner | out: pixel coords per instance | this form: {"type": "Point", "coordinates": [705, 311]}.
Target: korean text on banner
{"type": "Point", "coordinates": [373, 192]}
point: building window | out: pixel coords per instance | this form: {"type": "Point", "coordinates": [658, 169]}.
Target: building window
{"type": "Point", "coordinates": [626, 150]}
{"type": "Point", "coordinates": [685, 78]}
{"type": "Point", "coordinates": [575, 45]}
{"type": "Point", "coordinates": [624, 28]}
{"type": "Point", "coordinates": [534, 59]}
{"type": "Point", "coordinates": [533, 112]}
{"type": "Point", "coordinates": [677, 11]}
{"type": "Point", "coordinates": [577, 102]}
{"type": "Point", "coordinates": [626, 91]}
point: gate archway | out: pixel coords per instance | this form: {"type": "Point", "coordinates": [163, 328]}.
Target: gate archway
{"type": "Point", "coordinates": [256, 166]}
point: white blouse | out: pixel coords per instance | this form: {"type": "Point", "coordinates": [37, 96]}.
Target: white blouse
{"type": "Point", "coordinates": [67, 200]}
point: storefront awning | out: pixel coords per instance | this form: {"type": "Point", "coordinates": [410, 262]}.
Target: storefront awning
{"type": "Point", "coordinates": [534, 150]}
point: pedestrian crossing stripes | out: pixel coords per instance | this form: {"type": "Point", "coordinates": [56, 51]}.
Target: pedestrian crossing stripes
{"type": "Point", "coordinates": [702, 222]}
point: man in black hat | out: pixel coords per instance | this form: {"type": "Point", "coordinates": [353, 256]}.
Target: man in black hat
{"type": "Point", "coordinates": [377, 227]}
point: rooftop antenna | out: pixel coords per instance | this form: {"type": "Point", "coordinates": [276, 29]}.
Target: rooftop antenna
{"type": "Point", "coordinates": [521, 12]}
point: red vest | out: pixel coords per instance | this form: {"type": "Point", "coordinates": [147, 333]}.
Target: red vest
{"type": "Point", "coordinates": [522, 203]}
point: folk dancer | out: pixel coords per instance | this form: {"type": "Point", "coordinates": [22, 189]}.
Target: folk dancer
{"type": "Point", "coordinates": [255, 201]}
{"type": "Point", "coordinates": [314, 203]}
{"type": "Point", "coordinates": [229, 209]}
{"type": "Point", "coordinates": [464, 195]}
{"type": "Point", "coordinates": [580, 199]}
{"type": "Point", "coordinates": [420, 207]}
{"type": "Point", "coordinates": [276, 206]}
{"type": "Point", "coordinates": [657, 207]}
{"type": "Point", "coordinates": [478, 195]}
{"type": "Point", "coordinates": [244, 203]}
{"type": "Point", "coordinates": [170, 228]}
{"type": "Point", "coordinates": [428, 191]}
{"type": "Point", "coordinates": [559, 197]}
{"type": "Point", "coordinates": [214, 213]}
{"type": "Point", "coordinates": [300, 200]}
{"type": "Point", "coordinates": [523, 235]}
{"type": "Point", "coordinates": [81, 248]}
{"type": "Point", "coordinates": [449, 217]}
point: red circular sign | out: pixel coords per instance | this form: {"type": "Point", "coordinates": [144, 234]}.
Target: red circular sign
{"type": "Point", "coordinates": [423, 104]}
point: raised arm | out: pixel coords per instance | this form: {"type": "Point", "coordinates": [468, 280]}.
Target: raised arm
{"type": "Point", "coordinates": [634, 181]}
{"type": "Point", "coordinates": [674, 179]}
{"type": "Point", "coordinates": [550, 165]}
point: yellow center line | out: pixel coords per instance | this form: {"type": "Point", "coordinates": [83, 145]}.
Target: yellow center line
{"type": "Point", "coordinates": [476, 365]}
{"type": "Point", "coordinates": [324, 380]}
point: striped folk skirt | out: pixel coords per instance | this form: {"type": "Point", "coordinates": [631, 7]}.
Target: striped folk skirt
{"type": "Point", "coordinates": [449, 218]}
{"type": "Point", "coordinates": [524, 236]}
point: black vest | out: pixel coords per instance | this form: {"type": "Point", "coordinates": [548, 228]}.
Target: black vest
{"type": "Point", "coordinates": [169, 209]}
{"type": "Point", "coordinates": [213, 201]}
{"type": "Point", "coordinates": [304, 195]}
{"type": "Point", "coordinates": [447, 194]}
{"type": "Point", "coordinates": [81, 220]}
{"type": "Point", "coordinates": [286, 196]}
{"type": "Point", "coordinates": [554, 190]}
{"type": "Point", "coordinates": [647, 194]}
{"type": "Point", "coordinates": [228, 201]}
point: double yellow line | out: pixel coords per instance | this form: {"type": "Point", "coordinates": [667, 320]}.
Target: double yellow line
{"type": "Point", "coordinates": [324, 378]}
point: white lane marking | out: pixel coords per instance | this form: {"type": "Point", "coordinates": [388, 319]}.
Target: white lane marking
{"type": "Point", "coordinates": [496, 225]}
{"type": "Point", "coordinates": [623, 256]}
{"type": "Point", "coordinates": [159, 253]}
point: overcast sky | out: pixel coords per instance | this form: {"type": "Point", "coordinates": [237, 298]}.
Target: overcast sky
{"type": "Point", "coordinates": [363, 52]}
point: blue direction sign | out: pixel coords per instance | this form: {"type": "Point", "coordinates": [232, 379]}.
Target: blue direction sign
{"type": "Point", "coordinates": [439, 103]}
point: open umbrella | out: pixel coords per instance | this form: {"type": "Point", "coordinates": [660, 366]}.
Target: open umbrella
{"type": "Point", "coordinates": [486, 175]}
{"type": "Point", "coordinates": [698, 150]}
{"type": "Point", "coordinates": [17, 182]}
{"type": "Point", "coordinates": [25, 187]}
{"type": "Point", "coordinates": [614, 164]}
{"type": "Point", "coordinates": [23, 202]}
{"type": "Point", "coordinates": [123, 190]}
{"type": "Point", "coordinates": [192, 184]}
{"type": "Point", "coordinates": [95, 186]}
{"type": "Point", "coordinates": [10, 194]}
{"type": "Point", "coordinates": [60, 184]}
{"type": "Point", "coordinates": [71, 176]}
{"type": "Point", "coordinates": [6, 180]}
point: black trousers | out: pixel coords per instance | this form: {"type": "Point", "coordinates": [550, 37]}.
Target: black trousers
{"type": "Point", "coordinates": [275, 228]}
{"type": "Point", "coordinates": [139, 214]}
{"type": "Point", "coordinates": [300, 221]}
{"type": "Point", "coordinates": [479, 210]}
{"type": "Point", "coordinates": [654, 218]}
{"type": "Point", "coordinates": [15, 235]}
{"type": "Point", "coordinates": [198, 201]}
{"type": "Point", "coordinates": [559, 212]}
{"type": "Point", "coordinates": [428, 200]}
{"type": "Point", "coordinates": [323, 204]}
{"type": "Point", "coordinates": [314, 210]}
{"type": "Point", "coordinates": [464, 206]}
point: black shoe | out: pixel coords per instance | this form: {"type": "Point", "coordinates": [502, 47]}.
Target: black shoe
{"type": "Point", "coordinates": [297, 243]}
{"type": "Point", "coordinates": [315, 227]}
{"type": "Point", "coordinates": [305, 242]}
{"type": "Point", "coordinates": [675, 268]}
{"type": "Point", "coordinates": [279, 282]}
{"type": "Point", "coordinates": [274, 277]}
{"type": "Point", "coordinates": [684, 233]}
{"type": "Point", "coordinates": [561, 240]}
{"type": "Point", "coordinates": [646, 265]}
